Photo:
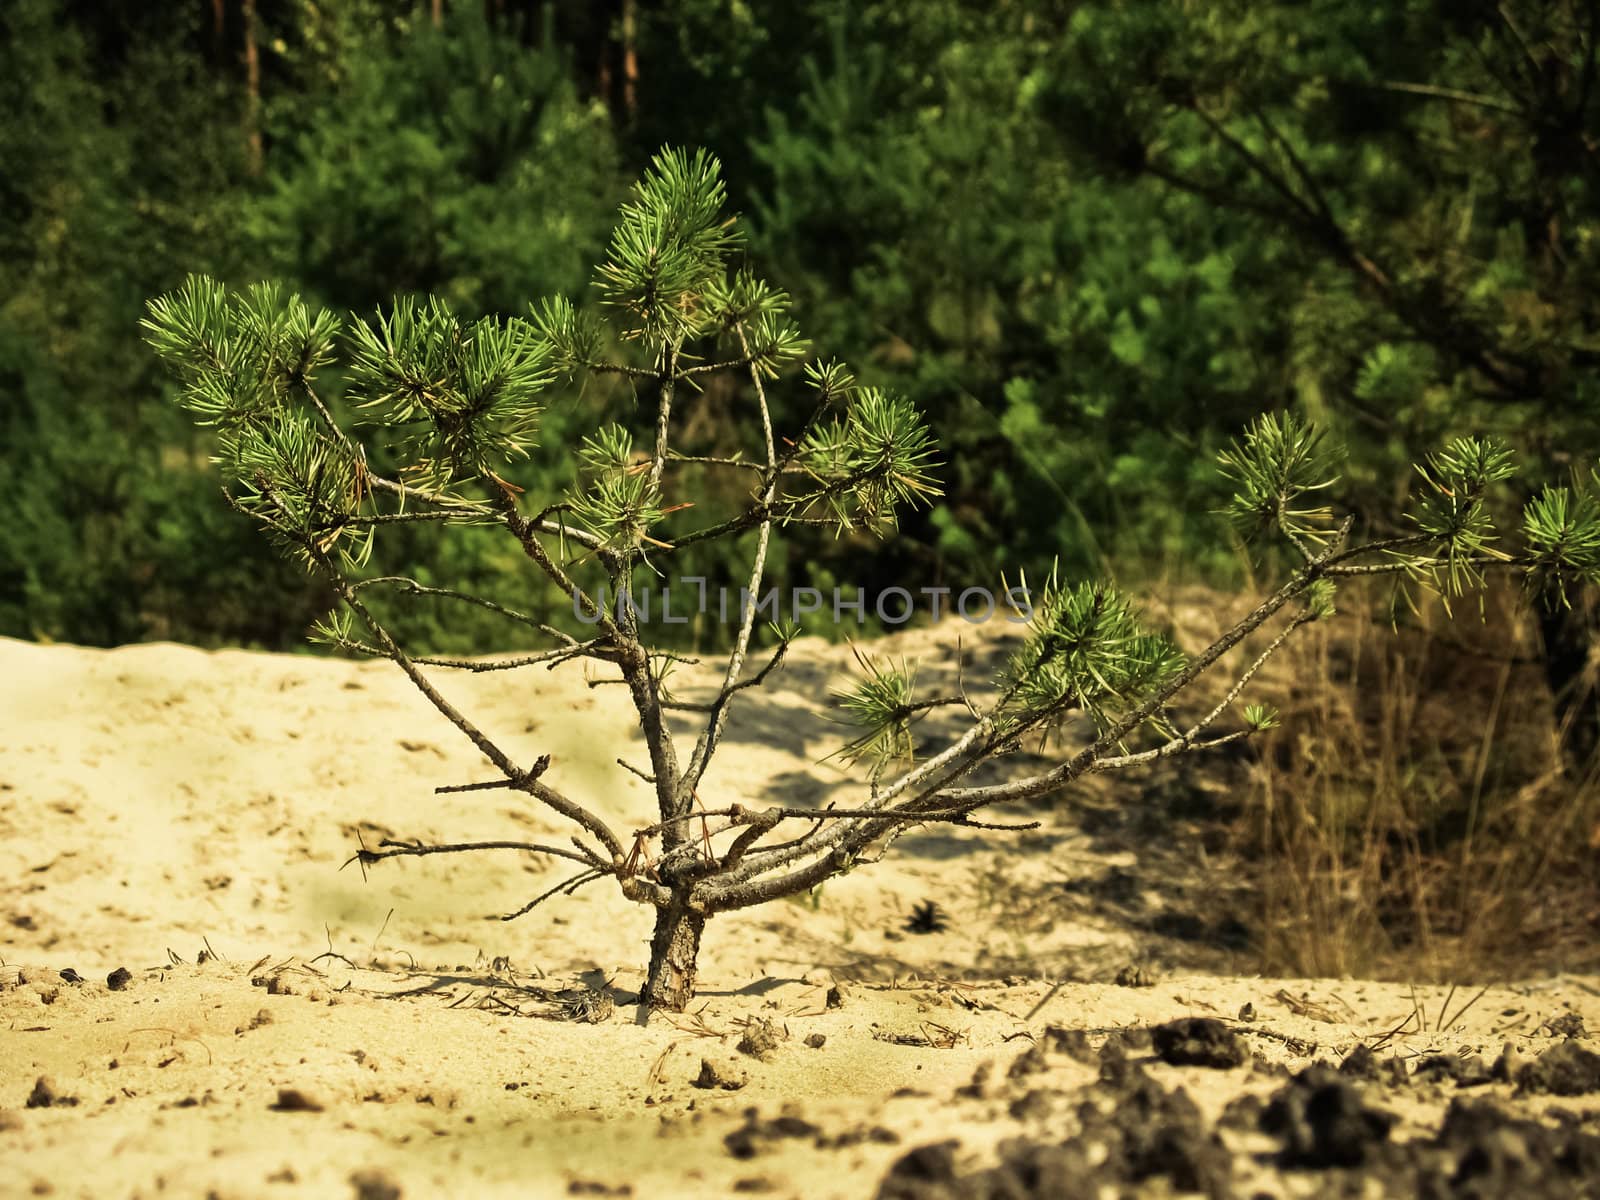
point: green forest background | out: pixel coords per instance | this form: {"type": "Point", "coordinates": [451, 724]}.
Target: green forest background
{"type": "Point", "coordinates": [1090, 241]}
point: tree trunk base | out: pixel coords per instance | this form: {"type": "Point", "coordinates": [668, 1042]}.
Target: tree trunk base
{"type": "Point", "coordinates": [673, 950]}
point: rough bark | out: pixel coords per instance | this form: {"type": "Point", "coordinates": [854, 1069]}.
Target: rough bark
{"type": "Point", "coordinates": [673, 950]}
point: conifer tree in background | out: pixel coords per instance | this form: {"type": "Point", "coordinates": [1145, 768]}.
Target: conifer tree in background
{"type": "Point", "coordinates": [463, 400]}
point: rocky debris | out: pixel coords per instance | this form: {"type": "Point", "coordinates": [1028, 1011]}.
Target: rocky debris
{"type": "Point", "coordinates": [275, 984]}
{"type": "Point", "coordinates": [761, 1039]}
{"type": "Point", "coordinates": [1074, 1043]}
{"type": "Point", "coordinates": [1360, 1063]}
{"type": "Point", "coordinates": [856, 1136]}
{"type": "Point", "coordinates": [294, 1100]}
{"type": "Point", "coordinates": [374, 1183]}
{"type": "Point", "coordinates": [1509, 1064]}
{"type": "Point", "coordinates": [1033, 1105]}
{"type": "Point", "coordinates": [981, 1084]}
{"type": "Point", "coordinates": [1123, 1043]}
{"type": "Point", "coordinates": [1322, 1121]}
{"type": "Point", "coordinates": [1243, 1112]}
{"type": "Point", "coordinates": [46, 1094]}
{"type": "Point", "coordinates": [1199, 1042]}
{"type": "Point", "coordinates": [727, 1076]}
{"type": "Point", "coordinates": [1450, 1068]}
{"type": "Point", "coordinates": [1130, 1130]}
{"type": "Point", "coordinates": [262, 1017]}
{"type": "Point", "coordinates": [1567, 1025]}
{"type": "Point", "coordinates": [1567, 1069]}
{"type": "Point", "coordinates": [756, 1134]}
{"type": "Point", "coordinates": [591, 1006]}
{"type": "Point", "coordinates": [119, 979]}
{"type": "Point", "coordinates": [1493, 1154]}
{"type": "Point", "coordinates": [1031, 1061]}
{"type": "Point", "coordinates": [926, 1173]}
{"type": "Point", "coordinates": [1133, 976]}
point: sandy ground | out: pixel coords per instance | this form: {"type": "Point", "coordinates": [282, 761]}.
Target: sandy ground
{"type": "Point", "coordinates": [385, 1033]}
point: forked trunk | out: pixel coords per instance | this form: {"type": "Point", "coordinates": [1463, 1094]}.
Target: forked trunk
{"type": "Point", "coordinates": [673, 949]}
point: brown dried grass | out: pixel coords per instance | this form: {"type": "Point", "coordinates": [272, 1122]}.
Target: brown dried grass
{"type": "Point", "coordinates": [1412, 818]}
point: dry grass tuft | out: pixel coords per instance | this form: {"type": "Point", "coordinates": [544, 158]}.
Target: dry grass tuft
{"type": "Point", "coordinates": [1412, 818]}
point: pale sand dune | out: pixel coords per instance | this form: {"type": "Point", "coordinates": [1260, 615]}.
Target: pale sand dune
{"type": "Point", "coordinates": [157, 800]}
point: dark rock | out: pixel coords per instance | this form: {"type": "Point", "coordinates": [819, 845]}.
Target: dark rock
{"type": "Point", "coordinates": [1507, 1066]}
{"type": "Point", "coordinates": [1134, 977]}
{"type": "Point", "coordinates": [1360, 1063]}
{"type": "Point", "coordinates": [1564, 1070]}
{"type": "Point", "coordinates": [761, 1038]}
{"type": "Point", "coordinates": [926, 1173]}
{"type": "Point", "coordinates": [1034, 1105]}
{"type": "Point", "coordinates": [1495, 1154]}
{"type": "Point", "coordinates": [714, 1076]}
{"type": "Point", "coordinates": [294, 1100]}
{"type": "Point", "coordinates": [45, 1094]}
{"type": "Point", "coordinates": [1449, 1068]}
{"type": "Point", "coordinates": [1074, 1043]}
{"type": "Point", "coordinates": [119, 979]}
{"type": "Point", "coordinates": [374, 1183]}
{"type": "Point", "coordinates": [1567, 1025]}
{"type": "Point", "coordinates": [1199, 1042]}
{"type": "Point", "coordinates": [978, 1086]}
{"type": "Point", "coordinates": [1030, 1062]}
{"type": "Point", "coordinates": [1124, 1042]}
{"type": "Point", "coordinates": [1132, 1130]}
{"type": "Point", "coordinates": [1243, 1112]}
{"type": "Point", "coordinates": [756, 1134]}
{"type": "Point", "coordinates": [1322, 1121]}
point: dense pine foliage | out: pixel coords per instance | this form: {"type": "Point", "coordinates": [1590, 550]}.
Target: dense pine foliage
{"type": "Point", "coordinates": [1089, 242]}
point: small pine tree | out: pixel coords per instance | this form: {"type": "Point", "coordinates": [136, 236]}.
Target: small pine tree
{"type": "Point", "coordinates": [463, 402]}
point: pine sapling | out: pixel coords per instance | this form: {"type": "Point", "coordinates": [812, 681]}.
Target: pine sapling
{"type": "Point", "coordinates": [460, 403]}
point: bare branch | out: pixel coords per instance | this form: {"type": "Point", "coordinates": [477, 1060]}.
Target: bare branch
{"type": "Point", "coordinates": [398, 849]}
{"type": "Point", "coordinates": [755, 680]}
{"type": "Point", "coordinates": [478, 666]}
{"type": "Point", "coordinates": [706, 745]}
{"type": "Point", "coordinates": [627, 766]}
{"type": "Point", "coordinates": [1167, 750]}
{"type": "Point", "coordinates": [1455, 95]}
{"type": "Point", "coordinates": [411, 587]}
{"type": "Point", "coordinates": [522, 780]}
{"type": "Point", "coordinates": [565, 888]}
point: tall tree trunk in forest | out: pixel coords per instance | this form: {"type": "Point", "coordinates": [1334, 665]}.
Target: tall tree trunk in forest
{"type": "Point", "coordinates": [438, 13]}
{"type": "Point", "coordinates": [218, 23]}
{"type": "Point", "coordinates": [252, 84]}
{"type": "Point", "coordinates": [630, 58]}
